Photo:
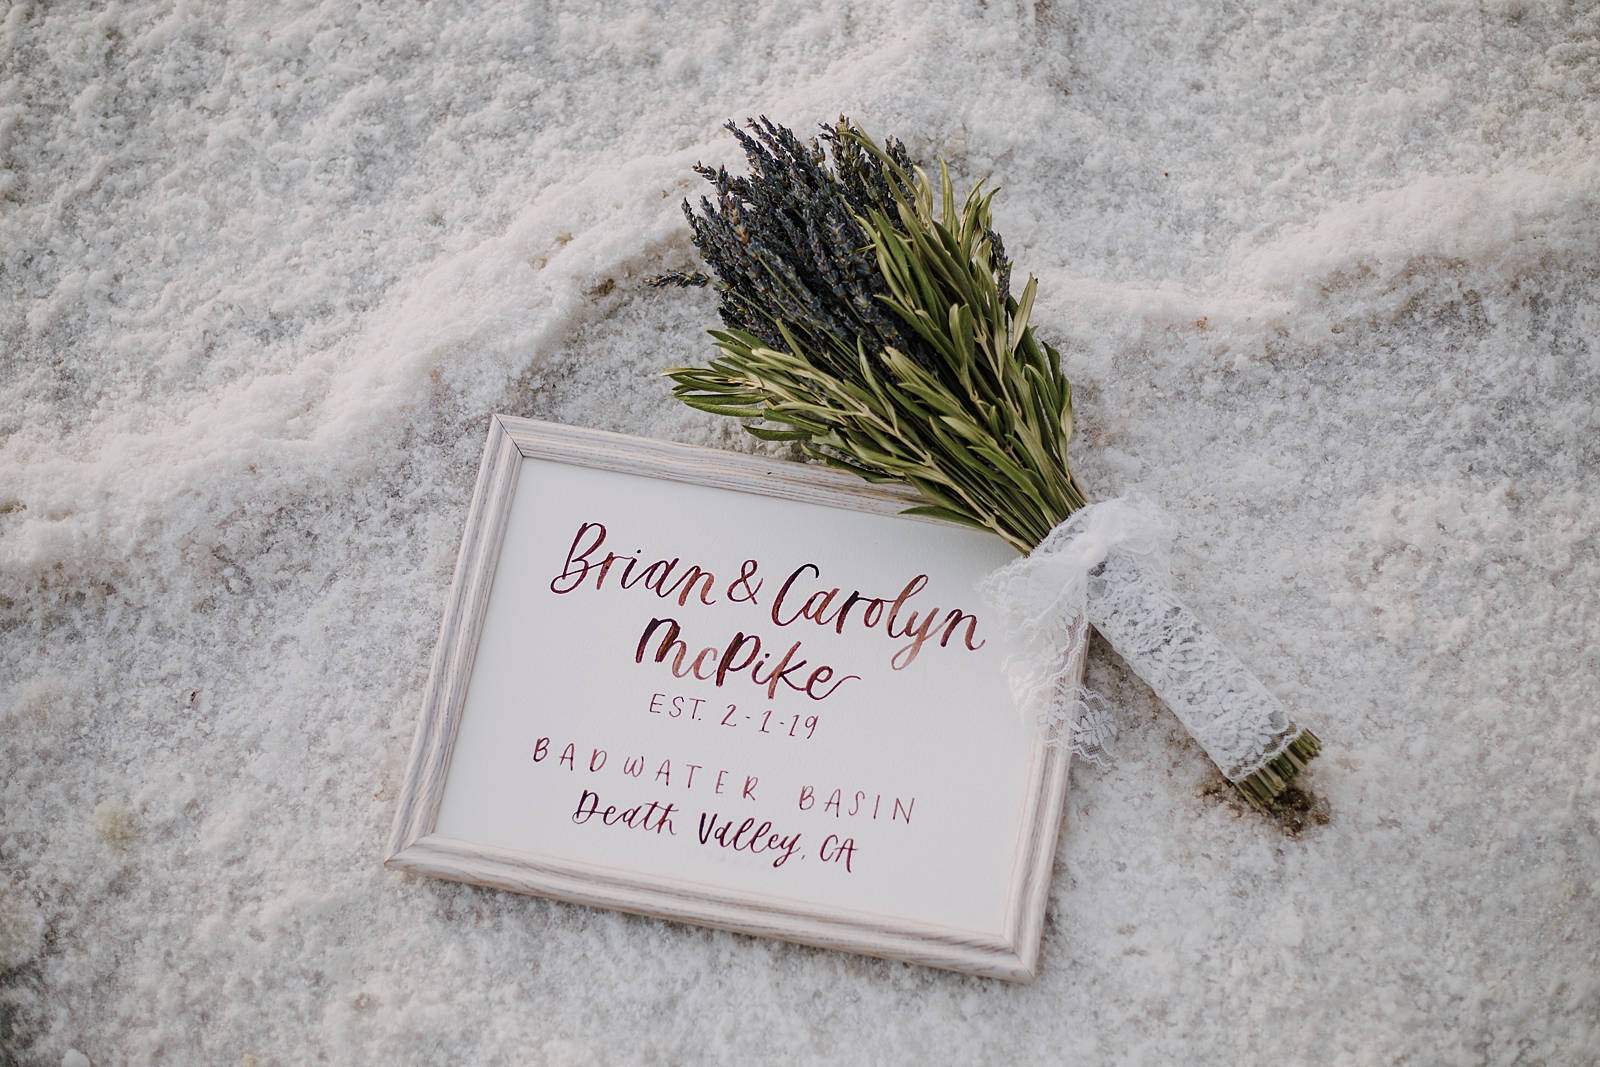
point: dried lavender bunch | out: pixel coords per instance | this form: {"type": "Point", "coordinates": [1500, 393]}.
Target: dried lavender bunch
{"type": "Point", "coordinates": [788, 246]}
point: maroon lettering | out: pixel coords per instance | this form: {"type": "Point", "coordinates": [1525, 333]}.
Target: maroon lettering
{"type": "Point", "coordinates": [588, 804]}
{"type": "Point", "coordinates": [837, 850]}
{"type": "Point", "coordinates": [746, 572]}
{"type": "Point", "coordinates": [605, 567]}
{"type": "Point", "coordinates": [687, 581]}
{"type": "Point", "coordinates": [659, 570]}
{"type": "Point", "coordinates": [914, 586]}
{"type": "Point", "coordinates": [909, 652]}
{"type": "Point", "coordinates": [818, 676]}
{"type": "Point", "coordinates": [953, 620]}
{"type": "Point", "coordinates": [816, 606]}
{"type": "Point", "coordinates": [778, 603]}
{"type": "Point", "coordinates": [700, 659]}
{"type": "Point", "coordinates": [781, 673]}
{"type": "Point", "coordinates": [569, 577]}
{"type": "Point", "coordinates": [638, 817]}
{"type": "Point", "coordinates": [749, 837]}
{"type": "Point", "coordinates": [844, 610]}
{"type": "Point", "coordinates": [726, 666]}
{"type": "Point", "coordinates": [669, 641]}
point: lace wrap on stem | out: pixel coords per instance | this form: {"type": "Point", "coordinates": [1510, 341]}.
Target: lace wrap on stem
{"type": "Point", "coordinates": [1107, 566]}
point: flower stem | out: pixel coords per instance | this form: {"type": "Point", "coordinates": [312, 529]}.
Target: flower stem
{"type": "Point", "coordinates": [1266, 784]}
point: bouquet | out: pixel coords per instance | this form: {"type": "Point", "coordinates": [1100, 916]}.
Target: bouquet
{"type": "Point", "coordinates": [870, 317]}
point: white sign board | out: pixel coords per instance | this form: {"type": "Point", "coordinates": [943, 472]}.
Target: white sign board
{"type": "Point", "coordinates": [732, 691]}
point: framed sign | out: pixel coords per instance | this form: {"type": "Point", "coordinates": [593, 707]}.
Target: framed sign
{"type": "Point", "coordinates": [732, 691]}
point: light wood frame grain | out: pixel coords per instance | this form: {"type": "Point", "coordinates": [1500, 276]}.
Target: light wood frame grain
{"type": "Point", "coordinates": [415, 847]}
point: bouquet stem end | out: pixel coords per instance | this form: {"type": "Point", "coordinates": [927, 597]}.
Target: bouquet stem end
{"type": "Point", "coordinates": [1266, 784]}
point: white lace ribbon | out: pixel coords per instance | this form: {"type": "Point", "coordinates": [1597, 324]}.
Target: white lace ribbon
{"type": "Point", "coordinates": [1107, 566]}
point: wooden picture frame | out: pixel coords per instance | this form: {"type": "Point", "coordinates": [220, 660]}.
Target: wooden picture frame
{"type": "Point", "coordinates": [1007, 948]}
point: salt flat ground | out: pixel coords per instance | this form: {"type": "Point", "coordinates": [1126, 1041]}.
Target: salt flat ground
{"type": "Point", "coordinates": [1327, 278]}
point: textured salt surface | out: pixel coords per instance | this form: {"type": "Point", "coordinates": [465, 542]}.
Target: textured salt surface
{"type": "Point", "coordinates": [1328, 278]}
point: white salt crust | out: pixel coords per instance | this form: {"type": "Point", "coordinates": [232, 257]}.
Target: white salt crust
{"type": "Point", "coordinates": [1327, 278]}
